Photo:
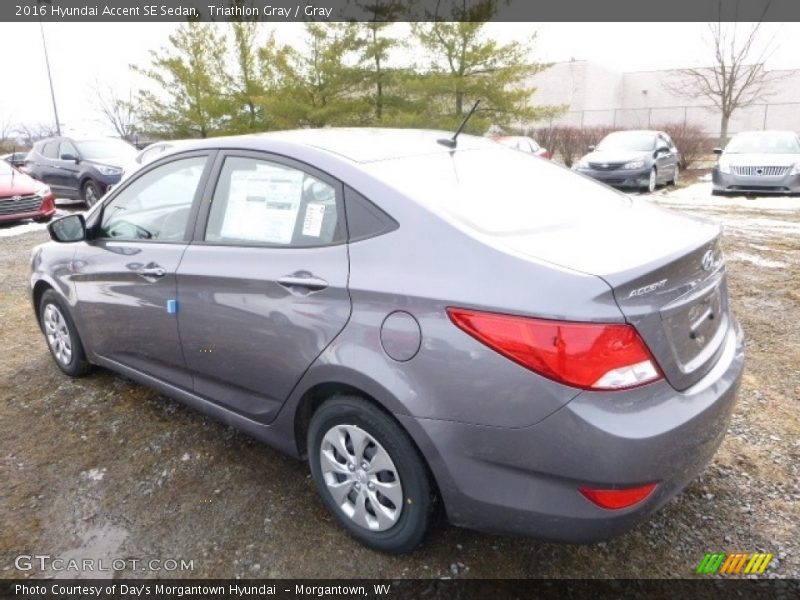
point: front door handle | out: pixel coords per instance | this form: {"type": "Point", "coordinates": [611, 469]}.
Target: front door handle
{"type": "Point", "coordinates": [306, 281]}
{"type": "Point", "coordinates": [151, 271]}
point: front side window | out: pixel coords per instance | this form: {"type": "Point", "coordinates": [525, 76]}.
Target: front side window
{"type": "Point", "coordinates": [67, 148]}
{"type": "Point", "coordinates": [261, 202]}
{"type": "Point", "coordinates": [156, 205]}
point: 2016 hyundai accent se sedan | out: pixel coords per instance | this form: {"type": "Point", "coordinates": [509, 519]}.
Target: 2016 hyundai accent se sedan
{"type": "Point", "coordinates": [462, 328]}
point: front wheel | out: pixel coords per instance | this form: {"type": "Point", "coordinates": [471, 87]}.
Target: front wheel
{"type": "Point", "coordinates": [370, 475]}
{"type": "Point", "coordinates": [651, 181]}
{"type": "Point", "coordinates": [62, 336]}
{"type": "Point", "coordinates": [90, 192]}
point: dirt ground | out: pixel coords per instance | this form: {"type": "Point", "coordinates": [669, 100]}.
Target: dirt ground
{"type": "Point", "coordinates": [105, 468]}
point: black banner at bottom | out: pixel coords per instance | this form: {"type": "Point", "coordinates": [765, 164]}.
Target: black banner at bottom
{"type": "Point", "coordinates": [285, 589]}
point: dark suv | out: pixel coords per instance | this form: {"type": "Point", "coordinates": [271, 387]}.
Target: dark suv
{"type": "Point", "coordinates": [81, 169]}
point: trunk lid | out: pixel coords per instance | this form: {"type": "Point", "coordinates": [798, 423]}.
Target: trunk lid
{"type": "Point", "coordinates": [665, 269]}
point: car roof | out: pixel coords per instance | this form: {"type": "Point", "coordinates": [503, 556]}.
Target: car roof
{"type": "Point", "coordinates": [358, 144]}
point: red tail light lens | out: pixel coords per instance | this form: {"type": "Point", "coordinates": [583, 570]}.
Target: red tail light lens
{"type": "Point", "coordinates": [617, 499]}
{"type": "Point", "coordinates": [596, 356]}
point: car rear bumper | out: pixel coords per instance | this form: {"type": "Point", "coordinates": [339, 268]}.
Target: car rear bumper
{"type": "Point", "coordinates": [730, 183]}
{"type": "Point", "coordinates": [525, 480]}
{"type": "Point", "coordinates": [623, 178]}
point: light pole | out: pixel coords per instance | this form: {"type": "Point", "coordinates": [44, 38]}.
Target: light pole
{"type": "Point", "coordinates": [49, 76]}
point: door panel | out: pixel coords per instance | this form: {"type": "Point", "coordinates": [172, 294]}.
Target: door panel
{"type": "Point", "coordinates": [124, 311]}
{"type": "Point", "coordinates": [263, 290]}
{"type": "Point", "coordinates": [247, 338]}
{"type": "Point", "coordinates": [125, 278]}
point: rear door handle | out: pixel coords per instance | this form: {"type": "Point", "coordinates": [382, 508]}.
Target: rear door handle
{"type": "Point", "coordinates": [308, 282]}
{"type": "Point", "coordinates": [151, 271]}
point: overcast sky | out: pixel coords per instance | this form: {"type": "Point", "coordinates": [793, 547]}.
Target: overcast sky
{"type": "Point", "coordinates": [81, 53]}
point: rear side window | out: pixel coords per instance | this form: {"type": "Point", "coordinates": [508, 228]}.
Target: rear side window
{"type": "Point", "coordinates": [50, 149]}
{"type": "Point", "coordinates": [364, 219]}
{"type": "Point", "coordinates": [263, 202]}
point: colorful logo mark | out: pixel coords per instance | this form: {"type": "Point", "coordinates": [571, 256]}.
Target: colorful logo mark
{"type": "Point", "coordinates": [731, 564]}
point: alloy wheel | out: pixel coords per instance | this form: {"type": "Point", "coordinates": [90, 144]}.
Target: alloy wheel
{"type": "Point", "coordinates": [58, 336]}
{"type": "Point", "coordinates": [651, 183]}
{"type": "Point", "coordinates": [361, 477]}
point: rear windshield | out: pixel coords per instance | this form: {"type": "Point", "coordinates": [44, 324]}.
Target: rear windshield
{"type": "Point", "coordinates": [764, 143]}
{"type": "Point", "coordinates": [498, 191]}
{"type": "Point", "coordinates": [628, 141]}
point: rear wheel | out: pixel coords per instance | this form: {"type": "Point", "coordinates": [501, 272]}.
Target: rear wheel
{"type": "Point", "coordinates": [62, 336]}
{"type": "Point", "coordinates": [675, 175]}
{"type": "Point", "coordinates": [90, 192]}
{"type": "Point", "coordinates": [370, 475]}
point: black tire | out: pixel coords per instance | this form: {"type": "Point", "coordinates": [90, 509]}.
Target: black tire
{"type": "Point", "coordinates": [77, 365]}
{"type": "Point", "coordinates": [90, 192]}
{"type": "Point", "coordinates": [653, 177]}
{"type": "Point", "coordinates": [44, 219]}
{"type": "Point", "coordinates": [419, 497]}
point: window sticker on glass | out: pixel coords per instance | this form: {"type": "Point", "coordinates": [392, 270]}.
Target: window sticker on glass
{"type": "Point", "coordinates": [312, 224]}
{"type": "Point", "coordinates": [263, 204]}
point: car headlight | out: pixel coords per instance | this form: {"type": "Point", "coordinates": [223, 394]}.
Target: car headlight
{"type": "Point", "coordinates": [795, 169]}
{"type": "Point", "coordinates": [109, 170]}
{"type": "Point", "coordinates": [43, 191]}
{"type": "Point", "coordinates": [724, 166]}
{"type": "Point", "coordinates": [581, 164]}
{"type": "Point", "coordinates": [634, 164]}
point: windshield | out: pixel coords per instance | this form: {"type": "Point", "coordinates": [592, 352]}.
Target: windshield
{"type": "Point", "coordinates": [94, 149]}
{"type": "Point", "coordinates": [629, 141]}
{"type": "Point", "coordinates": [496, 191]}
{"type": "Point", "coordinates": [764, 143]}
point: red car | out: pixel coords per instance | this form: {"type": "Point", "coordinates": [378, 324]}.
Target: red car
{"type": "Point", "coordinates": [22, 197]}
{"type": "Point", "coordinates": [522, 143]}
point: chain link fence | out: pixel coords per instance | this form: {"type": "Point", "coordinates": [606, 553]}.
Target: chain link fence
{"type": "Point", "coordinates": [754, 117]}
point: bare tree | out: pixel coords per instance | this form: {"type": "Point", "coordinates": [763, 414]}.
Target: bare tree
{"type": "Point", "coordinates": [116, 111]}
{"type": "Point", "coordinates": [33, 132]}
{"type": "Point", "coordinates": [737, 78]}
{"type": "Point", "coordinates": [7, 134]}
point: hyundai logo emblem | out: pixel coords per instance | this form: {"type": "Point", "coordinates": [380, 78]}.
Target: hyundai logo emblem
{"type": "Point", "coordinates": [709, 260]}
{"type": "Point", "coordinates": [16, 198]}
{"type": "Point", "coordinates": [759, 171]}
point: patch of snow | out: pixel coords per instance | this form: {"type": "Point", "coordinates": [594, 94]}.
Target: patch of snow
{"type": "Point", "coordinates": [21, 229]}
{"type": "Point", "coordinates": [94, 474]}
{"type": "Point", "coordinates": [699, 194]}
{"type": "Point", "coordinates": [757, 260]}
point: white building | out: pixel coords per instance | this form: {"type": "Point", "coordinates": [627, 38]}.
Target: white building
{"type": "Point", "coordinates": [596, 95]}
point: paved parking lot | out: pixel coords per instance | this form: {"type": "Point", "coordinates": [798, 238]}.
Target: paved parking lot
{"type": "Point", "coordinates": [105, 468]}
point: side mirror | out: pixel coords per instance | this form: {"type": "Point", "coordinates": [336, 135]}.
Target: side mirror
{"type": "Point", "coordinates": [662, 150]}
{"type": "Point", "coordinates": [71, 157]}
{"type": "Point", "coordinates": [71, 228]}
{"type": "Point", "coordinates": [717, 150]}
{"type": "Point", "coordinates": [591, 148]}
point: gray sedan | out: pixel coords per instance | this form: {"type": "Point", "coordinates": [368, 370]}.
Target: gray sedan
{"type": "Point", "coordinates": [761, 162]}
{"type": "Point", "coordinates": [435, 325]}
{"type": "Point", "coordinates": [633, 159]}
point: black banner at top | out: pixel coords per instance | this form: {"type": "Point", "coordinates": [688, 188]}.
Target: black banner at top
{"type": "Point", "coordinates": [277, 11]}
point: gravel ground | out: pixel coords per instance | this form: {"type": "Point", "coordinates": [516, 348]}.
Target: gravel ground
{"type": "Point", "coordinates": [104, 468]}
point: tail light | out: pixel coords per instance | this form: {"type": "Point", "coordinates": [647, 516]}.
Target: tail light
{"type": "Point", "coordinates": [615, 499]}
{"type": "Point", "coordinates": [592, 356]}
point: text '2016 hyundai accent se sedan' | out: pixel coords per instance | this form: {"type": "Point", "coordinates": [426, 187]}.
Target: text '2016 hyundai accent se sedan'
{"type": "Point", "coordinates": [467, 328]}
